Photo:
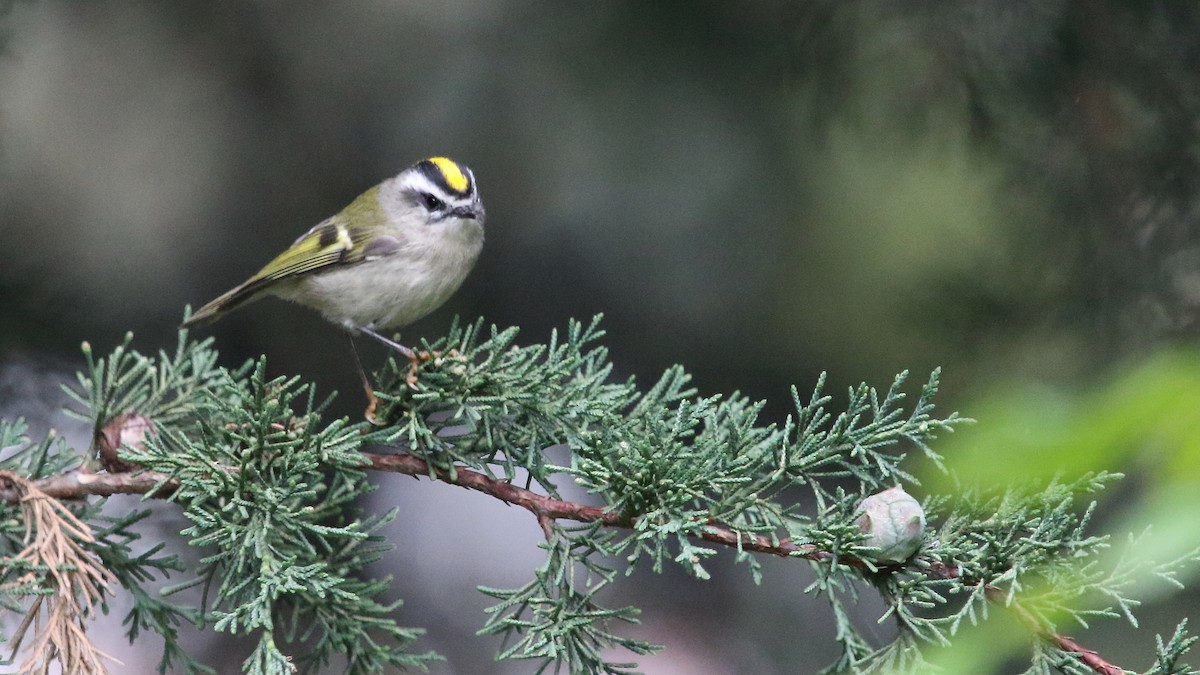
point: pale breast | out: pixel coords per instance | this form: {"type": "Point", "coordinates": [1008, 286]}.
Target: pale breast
{"type": "Point", "coordinates": [393, 290]}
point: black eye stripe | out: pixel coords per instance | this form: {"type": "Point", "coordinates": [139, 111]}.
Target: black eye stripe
{"type": "Point", "coordinates": [431, 202]}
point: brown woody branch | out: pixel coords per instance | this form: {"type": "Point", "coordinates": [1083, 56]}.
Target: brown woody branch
{"type": "Point", "coordinates": [548, 507]}
{"type": "Point", "coordinates": [1088, 657]}
{"type": "Point", "coordinates": [79, 484]}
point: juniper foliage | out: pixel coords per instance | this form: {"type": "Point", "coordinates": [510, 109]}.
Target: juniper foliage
{"type": "Point", "coordinates": [271, 488]}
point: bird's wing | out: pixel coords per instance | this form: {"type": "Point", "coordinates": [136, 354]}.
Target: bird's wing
{"type": "Point", "coordinates": [332, 242]}
{"type": "Point", "coordinates": [329, 243]}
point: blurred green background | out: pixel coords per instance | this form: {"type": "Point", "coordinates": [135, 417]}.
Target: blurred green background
{"type": "Point", "coordinates": [758, 190]}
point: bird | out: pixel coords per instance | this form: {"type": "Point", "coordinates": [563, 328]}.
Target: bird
{"type": "Point", "coordinates": [392, 256]}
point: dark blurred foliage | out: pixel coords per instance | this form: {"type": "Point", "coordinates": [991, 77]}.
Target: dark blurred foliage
{"type": "Point", "coordinates": [758, 190]}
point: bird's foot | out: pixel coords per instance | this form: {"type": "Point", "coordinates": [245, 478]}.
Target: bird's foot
{"type": "Point", "coordinates": [415, 361]}
{"type": "Point", "coordinates": [372, 404]}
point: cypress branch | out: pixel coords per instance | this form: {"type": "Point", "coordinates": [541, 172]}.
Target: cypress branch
{"type": "Point", "coordinates": [271, 490]}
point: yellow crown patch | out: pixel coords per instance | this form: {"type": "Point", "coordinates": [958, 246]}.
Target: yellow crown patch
{"type": "Point", "coordinates": [455, 177]}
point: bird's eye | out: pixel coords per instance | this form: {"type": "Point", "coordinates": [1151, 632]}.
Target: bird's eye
{"type": "Point", "coordinates": [432, 203]}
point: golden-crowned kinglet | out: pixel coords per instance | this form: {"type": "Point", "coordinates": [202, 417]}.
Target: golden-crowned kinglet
{"type": "Point", "coordinates": [395, 254]}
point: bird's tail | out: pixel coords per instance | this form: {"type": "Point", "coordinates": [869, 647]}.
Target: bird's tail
{"type": "Point", "coordinates": [224, 304]}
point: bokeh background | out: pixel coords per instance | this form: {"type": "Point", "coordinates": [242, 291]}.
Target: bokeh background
{"type": "Point", "coordinates": [759, 190]}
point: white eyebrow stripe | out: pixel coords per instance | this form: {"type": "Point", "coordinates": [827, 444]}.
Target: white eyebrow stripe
{"type": "Point", "coordinates": [419, 183]}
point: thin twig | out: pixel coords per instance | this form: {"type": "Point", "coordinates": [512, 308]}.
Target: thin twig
{"type": "Point", "coordinates": [1087, 656]}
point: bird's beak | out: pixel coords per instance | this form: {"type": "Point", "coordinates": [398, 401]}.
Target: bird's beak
{"type": "Point", "coordinates": [466, 212]}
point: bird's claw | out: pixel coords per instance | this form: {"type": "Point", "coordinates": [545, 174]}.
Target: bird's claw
{"type": "Point", "coordinates": [419, 357]}
{"type": "Point", "coordinates": [369, 413]}
{"type": "Point", "coordinates": [411, 377]}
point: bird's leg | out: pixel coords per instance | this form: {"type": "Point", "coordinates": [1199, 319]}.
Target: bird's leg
{"type": "Point", "coordinates": [372, 401]}
{"type": "Point", "coordinates": [414, 359]}
{"type": "Point", "coordinates": [386, 341]}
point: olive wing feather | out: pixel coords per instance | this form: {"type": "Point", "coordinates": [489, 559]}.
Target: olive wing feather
{"type": "Point", "coordinates": [329, 243]}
